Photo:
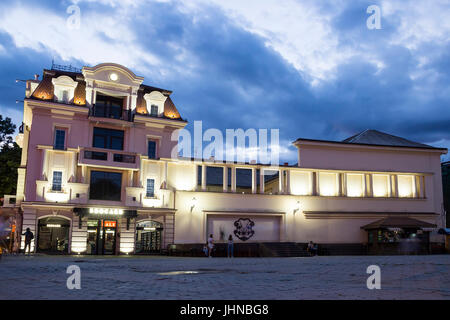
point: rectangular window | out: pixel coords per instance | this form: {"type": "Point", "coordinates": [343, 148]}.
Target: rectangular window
{"type": "Point", "coordinates": [151, 149]}
{"type": "Point", "coordinates": [108, 139]}
{"type": "Point", "coordinates": [154, 110]}
{"type": "Point", "coordinates": [108, 107]}
{"type": "Point", "coordinates": [60, 139]}
{"type": "Point", "coordinates": [355, 185]}
{"type": "Point", "coordinates": [381, 185]}
{"type": "Point", "coordinates": [150, 188]}
{"type": "Point", "coordinates": [57, 181]}
{"type": "Point", "coordinates": [328, 184]}
{"type": "Point", "coordinates": [406, 185]}
{"type": "Point", "coordinates": [105, 186]}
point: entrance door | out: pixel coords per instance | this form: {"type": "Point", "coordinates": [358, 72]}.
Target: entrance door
{"type": "Point", "coordinates": [101, 237]}
{"type": "Point", "coordinates": [53, 235]}
{"type": "Point", "coordinates": [148, 237]}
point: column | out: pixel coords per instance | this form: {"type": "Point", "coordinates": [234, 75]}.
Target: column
{"type": "Point", "coordinates": [233, 179]}
{"type": "Point", "coordinates": [195, 177]}
{"type": "Point", "coordinates": [393, 185]}
{"type": "Point", "coordinates": [261, 180]}
{"type": "Point", "coordinates": [314, 183]}
{"type": "Point", "coordinates": [254, 180]}
{"type": "Point", "coordinates": [369, 185]}
{"type": "Point", "coordinates": [339, 184]}
{"type": "Point", "coordinates": [344, 184]}
{"type": "Point", "coordinates": [317, 183]}
{"type": "Point", "coordinates": [225, 179]}
{"type": "Point", "coordinates": [281, 181]}
{"type": "Point", "coordinates": [203, 177]}
{"type": "Point", "coordinates": [288, 182]}
{"type": "Point", "coordinates": [166, 165]}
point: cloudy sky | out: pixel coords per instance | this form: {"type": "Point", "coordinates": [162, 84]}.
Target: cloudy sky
{"type": "Point", "coordinates": [310, 68]}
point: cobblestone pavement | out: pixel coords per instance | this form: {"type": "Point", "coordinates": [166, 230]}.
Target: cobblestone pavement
{"type": "Point", "coordinates": [127, 277]}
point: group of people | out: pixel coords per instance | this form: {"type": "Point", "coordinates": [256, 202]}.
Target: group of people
{"type": "Point", "coordinates": [209, 248]}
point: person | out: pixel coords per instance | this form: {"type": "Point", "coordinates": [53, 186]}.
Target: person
{"type": "Point", "coordinates": [311, 249]}
{"type": "Point", "coordinates": [230, 251]}
{"type": "Point", "coordinates": [205, 249]}
{"type": "Point", "coordinates": [210, 245]}
{"type": "Point", "coordinates": [28, 237]}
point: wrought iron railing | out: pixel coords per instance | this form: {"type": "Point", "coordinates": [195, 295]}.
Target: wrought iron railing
{"type": "Point", "coordinates": [110, 113]}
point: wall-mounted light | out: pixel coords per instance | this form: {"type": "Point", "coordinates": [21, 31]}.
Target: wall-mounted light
{"type": "Point", "coordinates": [193, 203]}
{"type": "Point", "coordinates": [297, 207]}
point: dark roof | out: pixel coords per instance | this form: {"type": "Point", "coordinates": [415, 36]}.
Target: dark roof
{"type": "Point", "coordinates": [380, 138]}
{"type": "Point", "coordinates": [372, 137]}
{"type": "Point", "coordinates": [398, 222]}
{"type": "Point", "coordinates": [45, 91]}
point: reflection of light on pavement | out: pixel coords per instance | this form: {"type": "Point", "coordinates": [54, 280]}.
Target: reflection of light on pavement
{"type": "Point", "coordinates": [174, 273]}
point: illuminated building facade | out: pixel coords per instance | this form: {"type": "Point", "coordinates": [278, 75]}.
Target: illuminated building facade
{"type": "Point", "coordinates": [98, 176]}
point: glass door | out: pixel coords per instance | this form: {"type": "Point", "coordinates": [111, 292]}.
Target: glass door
{"type": "Point", "coordinates": [109, 237]}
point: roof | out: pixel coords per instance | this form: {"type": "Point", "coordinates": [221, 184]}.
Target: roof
{"type": "Point", "coordinates": [45, 91]}
{"type": "Point", "coordinates": [372, 137]}
{"type": "Point", "coordinates": [398, 222]}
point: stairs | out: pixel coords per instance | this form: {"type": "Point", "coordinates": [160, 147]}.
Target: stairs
{"type": "Point", "coordinates": [282, 249]}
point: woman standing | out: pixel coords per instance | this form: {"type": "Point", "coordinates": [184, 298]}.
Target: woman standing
{"type": "Point", "coordinates": [230, 251]}
{"type": "Point", "coordinates": [210, 245]}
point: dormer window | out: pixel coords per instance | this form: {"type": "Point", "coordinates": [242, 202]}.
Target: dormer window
{"type": "Point", "coordinates": [154, 110]}
{"type": "Point", "coordinates": [64, 89]}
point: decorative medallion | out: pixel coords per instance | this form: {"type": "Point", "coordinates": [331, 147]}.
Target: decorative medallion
{"type": "Point", "coordinates": [244, 228]}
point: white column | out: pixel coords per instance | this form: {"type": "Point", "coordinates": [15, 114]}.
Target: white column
{"type": "Point", "coordinates": [195, 178]}
{"type": "Point", "coordinates": [225, 179]}
{"type": "Point", "coordinates": [254, 181]}
{"type": "Point", "coordinates": [261, 180]}
{"type": "Point", "coordinates": [288, 182]}
{"type": "Point", "coordinates": [166, 165]}
{"type": "Point", "coordinates": [281, 181]}
{"type": "Point", "coordinates": [203, 177]}
{"type": "Point", "coordinates": [233, 179]}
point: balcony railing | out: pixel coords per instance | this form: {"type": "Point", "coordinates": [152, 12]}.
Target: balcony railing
{"type": "Point", "coordinates": [111, 113]}
{"type": "Point", "coordinates": [109, 158]}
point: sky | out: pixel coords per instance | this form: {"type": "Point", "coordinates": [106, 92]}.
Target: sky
{"type": "Point", "coordinates": [312, 68]}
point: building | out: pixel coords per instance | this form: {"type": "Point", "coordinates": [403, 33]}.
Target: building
{"type": "Point", "coordinates": [98, 177]}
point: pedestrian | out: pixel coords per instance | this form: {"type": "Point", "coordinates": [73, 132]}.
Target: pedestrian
{"type": "Point", "coordinates": [230, 251]}
{"type": "Point", "coordinates": [205, 249]}
{"type": "Point", "coordinates": [28, 237]}
{"type": "Point", "coordinates": [311, 249]}
{"type": "Point", "coordinates": [210, 245]}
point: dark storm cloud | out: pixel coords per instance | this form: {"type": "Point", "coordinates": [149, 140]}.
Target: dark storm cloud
{"type": "Point", "coordinates": [230, 78]}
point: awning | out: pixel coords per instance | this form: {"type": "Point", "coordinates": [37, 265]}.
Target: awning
{"type": "Point", "coordinates": [398, 222]}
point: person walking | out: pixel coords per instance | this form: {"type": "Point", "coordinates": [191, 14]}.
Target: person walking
{"type": "Point", "coordinates": [210, 245]}
{"type": "Point", "coordinates": [28, 237]}
{"type": "Point", "coordinates": [230, 251]}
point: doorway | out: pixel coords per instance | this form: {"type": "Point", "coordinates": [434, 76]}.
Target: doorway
{"type": "Point", "coordinates": [148, 237]}
{"type": "Point", "coordinates": [53, 235]}
{"type": "Point", "coordinates": [101, 239]}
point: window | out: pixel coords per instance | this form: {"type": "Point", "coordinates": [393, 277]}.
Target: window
{"type": "Point", "coordinates": [406, 185]}
{"type": "Point", "coordinates": [108, 107]}
{"type": "Point", "coordinates": [108, 139]}
{"type": "Point", "coordinates": [355, 185]}
{"type": "Point", "coordinates": [65, 96]}
{"type": "Point", "coordinates": [328, 184]}
{"type": "Point", "coordinates": [105, 186]}
{"type": "Point", "coordinates": [60, 139]}
{"type": "Point", "coordinates": [57, 181]}
{"type": "Point", "coordinates": [151, 149]}
{"type": "Point", "coordinates": [150, 188]}
{"type": "Point", "coordinates": [154, 110]}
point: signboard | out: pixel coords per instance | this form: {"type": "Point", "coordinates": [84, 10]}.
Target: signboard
{"type": "Point", "coordinates": [109, 224]}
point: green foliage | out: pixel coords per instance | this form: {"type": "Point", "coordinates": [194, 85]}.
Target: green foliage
{"type": "Point", "coordinates": [10, 154]}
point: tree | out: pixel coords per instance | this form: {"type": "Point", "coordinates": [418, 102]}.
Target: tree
{"type": "Point", "coordinates": [10, 154]}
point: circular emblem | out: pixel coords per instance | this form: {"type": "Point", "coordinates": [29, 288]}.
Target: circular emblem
{"type": "Point", "coordinates": [244, 228]}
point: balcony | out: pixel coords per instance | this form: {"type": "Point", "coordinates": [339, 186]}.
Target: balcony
{"type": "Point", "coordinates": [108, 158]}
{"type": "Point", "coordinates": [110, 113]}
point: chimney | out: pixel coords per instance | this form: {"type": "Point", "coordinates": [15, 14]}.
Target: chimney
{"type": "Point", "coordinates": [36, 77]}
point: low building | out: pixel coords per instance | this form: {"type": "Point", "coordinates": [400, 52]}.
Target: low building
{"type": "Point", "coordinates": [98, 176]}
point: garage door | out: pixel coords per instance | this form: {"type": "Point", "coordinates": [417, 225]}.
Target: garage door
{"type": "Point", "coordinates": [244, 228]}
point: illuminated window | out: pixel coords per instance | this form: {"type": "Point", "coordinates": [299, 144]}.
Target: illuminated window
{"type": "Point", "coordinates": [380, 185]}
{"type": "Point", "coordinates": [328, 184]}
{"type": "Point", "coordinates": [57, 181]}
{"type": "Point", "coordinates": [300, 183]}
{"type": "Point", "coordinates": [150, 188]}
{"type": "Point", "coordinates": [405, 185]}
{"type": "Point", "coordinates": [355, 185]}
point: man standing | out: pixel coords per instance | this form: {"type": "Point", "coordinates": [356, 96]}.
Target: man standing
{"type": "Point", "coordinates": [28, 237]}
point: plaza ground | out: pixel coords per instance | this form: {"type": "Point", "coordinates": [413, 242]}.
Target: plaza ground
{"type": "Point", "coordinates": [158, 277]}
